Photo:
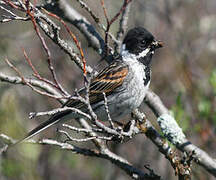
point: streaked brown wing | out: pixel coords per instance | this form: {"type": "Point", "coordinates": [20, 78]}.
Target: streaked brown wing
{"type": "Point", "coordinates": [106, 81]}
{"type": "Point", "coordinates": [110, 78]}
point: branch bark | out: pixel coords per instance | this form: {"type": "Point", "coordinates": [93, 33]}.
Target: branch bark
{"type": "Point", "coordinates": [184, 144]}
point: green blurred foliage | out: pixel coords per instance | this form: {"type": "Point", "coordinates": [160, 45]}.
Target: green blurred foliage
{"type": "Point", "coordinates": [206, 105]}
{"type": "Point", "coordinates": [180, 114]}
{"type": "Point", "coordinates": [204, 108]}
{"type": "Point", "coordinates": [10, 118]}
{"type": "Point", "coordinates": [19, 166]}
{"type": "Point", "coordinates": [11, 168]}
{"type": "Point", "coordinates": [212, 81]}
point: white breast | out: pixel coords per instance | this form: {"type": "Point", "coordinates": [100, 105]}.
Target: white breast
{"type": "Point", "coordinates": [136, 90]}
{"type": "Point", "coordinates": [132, 95]}
{"type": "Point", "coordinates": [136, 86]}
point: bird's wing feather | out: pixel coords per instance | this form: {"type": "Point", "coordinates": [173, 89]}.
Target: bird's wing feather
{"type": "Point", "coordinates": [106, 81]}
{"type": "Point", "coordinates": [51, 121]}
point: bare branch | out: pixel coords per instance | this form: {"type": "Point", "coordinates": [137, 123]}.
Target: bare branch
{"type": "Point", "coordinates": [45, 47]}
{"type": "Point", "coordinates": [33, 82]}
{"type": "Point", "coordinates": [26, 82]}
{"type": "Point", "coordinates": [12, 17]}
{"type": "Point", "coordinates": [77, 43]}
{"type": "Point", "coordinates": [84, 5]}
{"type": "Point", "coordinates": [54, 35]}
{"type": "Point", "coordinates": [75, 111]}
{"type": "Point", "coordinates": [122, 26]}
{"type": "Point", "coordinates": [107, 111]}
{"type": "Point", "coordinates": [106, 154]}
{"type": "Point", "coordinates": [68, 13]}
{"type": "Point", "coordinates": [36, 73]}
{"type": "Point", "coordinates": [69, 138]}
{"type": "Point", "coordinates": [52, 31]}
{"type": "Point", "coordinates": [145, 126]}
{"type": "Point", "coordinates": [82, 129]}
{"type": "Point", "coordinates": [117, 160]}
{"type": "Point", "coordinates": [184, 144]}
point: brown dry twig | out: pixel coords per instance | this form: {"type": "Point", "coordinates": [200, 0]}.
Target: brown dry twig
{"type": "Point", "coordinates": [77, 43]}
{"type": "Point", "coordinates": [35, 72]}
{"type": "Point", "coordinates": [29, 84]}
{"type": "Point", "coordinates": [44, 45]}
{"type": "Point", "coordinates": [51, 30]}
{"type": "Point", "coordinates": [53, 93]}
{"type": "Point", "coordinates": [110, 22]}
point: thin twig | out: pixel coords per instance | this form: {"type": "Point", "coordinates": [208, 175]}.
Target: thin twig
{"type": "Point", "coordinates": [53, 93]}
{"type": "Point", "coordinates": [12, 17]}
{"type": "Point", "coordinates": [76, 112]}
{"type": "Point", "coordinates": [11, 4]}
{"type": "Point", "coordinates": [107, 111]}
{"type": "Point", "coordinates": [73, 37]}
{"type": "Point", "coordinates": [82, 129]}
{"type": "Point", "coordinates": [45, 47]}
{"type": "Point", "coordinates": [64, 10]}
{"type": "Point", "coordinates": [36, 74]}
{"type": "Point", "coordinates": [107, 29]}
{"type": "Point", "coordinates": [27, 83]}
{"type": "Point", "coordinates": [69, 138]}
{"type": "Point", "coordinates": [110, 22]}
{"type": "Point", "coordinates": [84, 5]}
{"type": "Point", "coordinates": [122, 26]}
{"type": "Point", "coordinates": [97, 20]}
{"type": "Point", "coordinates": [106, 154]}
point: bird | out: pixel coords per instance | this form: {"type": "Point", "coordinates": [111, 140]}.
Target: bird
{"type": "Point", "coordinates": [124, 81]}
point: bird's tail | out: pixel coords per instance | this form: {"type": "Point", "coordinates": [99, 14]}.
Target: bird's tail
{"type": "Point", "coordinates": [53, 120]}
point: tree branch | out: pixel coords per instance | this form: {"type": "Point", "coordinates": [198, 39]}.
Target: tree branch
{"type": "Point", "coordinates": [182, 143]}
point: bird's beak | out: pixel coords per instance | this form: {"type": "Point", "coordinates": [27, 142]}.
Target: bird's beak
{"type": "Point", "coordinates": [157, 44]}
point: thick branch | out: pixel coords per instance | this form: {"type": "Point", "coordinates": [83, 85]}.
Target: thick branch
{"type": "Point", "coordinates": [37, 83]}
{"type": "Point", "coordinates": [184, 144]}
{"type": "Point", "coordinates": [144, 125]}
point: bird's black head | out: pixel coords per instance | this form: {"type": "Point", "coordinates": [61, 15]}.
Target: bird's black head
{"type": "Point", "coordinates": [141, 43]}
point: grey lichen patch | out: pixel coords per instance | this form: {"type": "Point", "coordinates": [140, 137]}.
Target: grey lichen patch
{"type": "Point", "coordinates": [170, 129]}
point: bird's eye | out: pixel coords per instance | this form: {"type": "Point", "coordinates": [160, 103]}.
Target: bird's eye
{"type": "Point", "coordinates": [143, 42]}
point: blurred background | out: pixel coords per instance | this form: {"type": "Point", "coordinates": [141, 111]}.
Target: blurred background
{"type": "Point", "coordinates": [183, 75]}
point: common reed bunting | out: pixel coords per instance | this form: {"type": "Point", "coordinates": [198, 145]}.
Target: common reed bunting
{"type": "Point", "coordinates": [125, 81]}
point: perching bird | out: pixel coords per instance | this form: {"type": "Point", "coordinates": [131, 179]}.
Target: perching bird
{"type": "Point", "coordinates": [125, 81]}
